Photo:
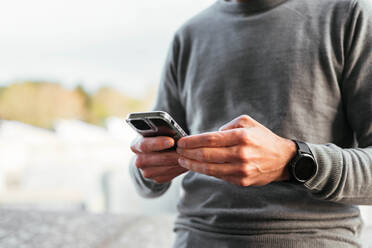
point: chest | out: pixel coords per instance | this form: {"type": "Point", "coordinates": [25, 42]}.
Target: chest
{"type": "Point", "coordinates": [263, 73]}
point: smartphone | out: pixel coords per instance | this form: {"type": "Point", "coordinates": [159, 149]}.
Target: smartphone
{"type": "Point", "coordinates": [155, 123]}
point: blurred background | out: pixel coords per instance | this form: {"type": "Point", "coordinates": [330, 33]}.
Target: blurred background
{"type": "Point", "coordinates": [70, 71]}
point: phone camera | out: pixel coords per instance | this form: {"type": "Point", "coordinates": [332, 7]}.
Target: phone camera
{"type": "Point", "coordinates": [140, 125]}
{"type": "Point", "coordinates": [159, 122]}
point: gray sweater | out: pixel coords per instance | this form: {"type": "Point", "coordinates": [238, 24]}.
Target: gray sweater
{"type": "Point", "coordinates": [302, 68]}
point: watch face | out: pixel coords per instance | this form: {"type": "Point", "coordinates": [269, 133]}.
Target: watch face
{"type": "Point", "coordinates": [305, 168]}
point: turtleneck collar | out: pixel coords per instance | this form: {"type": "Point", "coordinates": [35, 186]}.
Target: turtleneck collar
{"type": "Point", "coordinates": [251, 6]}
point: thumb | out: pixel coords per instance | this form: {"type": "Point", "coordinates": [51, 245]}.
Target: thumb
{"type": "Point", "coordinates": [243, 121]}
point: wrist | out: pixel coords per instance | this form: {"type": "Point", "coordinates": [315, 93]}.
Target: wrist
{"type": "Point", "coordinates": [290, 150]}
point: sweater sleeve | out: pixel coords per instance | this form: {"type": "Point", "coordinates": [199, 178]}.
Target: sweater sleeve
{"type": "Point", "coordinates": [144, 186]}
{"type": "Point", "coordinates": [167, 100]}
{"type": "Point", "coordinates": [345, 175]}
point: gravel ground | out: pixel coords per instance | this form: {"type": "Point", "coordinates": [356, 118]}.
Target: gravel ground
{"type": "Point", "coordinates": [36, 229]}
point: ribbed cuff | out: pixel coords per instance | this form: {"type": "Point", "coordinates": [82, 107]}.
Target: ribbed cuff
{"type": "Point", "coordinates": [329, 160]}
{"type": "Point", "coordinates": [146, 187]}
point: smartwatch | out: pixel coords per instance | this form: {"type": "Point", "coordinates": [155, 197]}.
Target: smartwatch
{"type": "Point", "coordinates": [302, 166]}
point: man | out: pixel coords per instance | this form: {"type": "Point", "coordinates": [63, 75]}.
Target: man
{"type": "Point", "coordinates": [293, 81]}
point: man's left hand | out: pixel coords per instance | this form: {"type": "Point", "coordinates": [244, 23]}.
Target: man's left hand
{"type": "Point", "coordinates": [242, 152]}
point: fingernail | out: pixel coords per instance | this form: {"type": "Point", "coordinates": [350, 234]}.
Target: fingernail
{"type": "Point", "coordinates": [181, 144]}
{"type": "Point", "coordinates": [181, 161]}
{"type": "Point", "coordinates": [168, 143]}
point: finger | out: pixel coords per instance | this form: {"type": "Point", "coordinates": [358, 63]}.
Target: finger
{"type": "Point", "coordinates": [212, 139]}
{"type": "Point", "coordinates": [210, 169]}
{"type": "Point", "coordinates": [242, 121]}
{"type": "Point", "coordinates": [153, 172]}
{"type": "Point", "coordinates": [151, 144]}
{"type": "Point", "coordinates": [214, 154]}
{"type": "Point", "coordinates": [168, 178]}
{"type": "Point", "coordinates": [156, 159]}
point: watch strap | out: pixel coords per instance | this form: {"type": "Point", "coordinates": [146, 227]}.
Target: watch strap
{"type": "Point", "coordinates": [302, 147]}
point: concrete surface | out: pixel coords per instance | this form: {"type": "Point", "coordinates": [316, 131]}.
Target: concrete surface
{"type": "Point", "coordinates": [36, 229]}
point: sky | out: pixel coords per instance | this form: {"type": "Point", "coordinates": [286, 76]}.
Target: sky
{"type": "Point", "coordinates": [117, 43]}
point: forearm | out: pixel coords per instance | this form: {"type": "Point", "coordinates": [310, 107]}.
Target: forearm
{"type": "Point", "coordinates": [146, 187]}
{"type": "Point", "coordinates": [344, 175]}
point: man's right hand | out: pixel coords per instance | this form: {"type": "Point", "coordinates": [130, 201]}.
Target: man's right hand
{"type": "Point", "coordinates": [156, 163]}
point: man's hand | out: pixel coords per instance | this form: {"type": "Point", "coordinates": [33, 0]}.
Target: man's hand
{"type": "Point", "coordinates": [155, 163]}
{"type": "Point", "coordinates": [243, 152]}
